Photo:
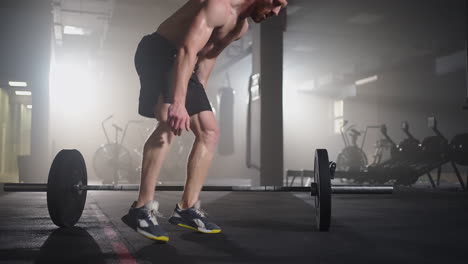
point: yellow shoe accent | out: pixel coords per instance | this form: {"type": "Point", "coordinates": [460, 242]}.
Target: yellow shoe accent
{"type": "Point", "coordinates": [160, 238]}
{"type": "Point", "coordinates": [214, 231]}
{"type": "Point", "coordinates": [148, 235]}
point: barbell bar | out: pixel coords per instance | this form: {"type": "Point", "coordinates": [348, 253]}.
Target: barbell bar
{"type": "Point", "coordinates": [67, 188]}
{"type": "Point", "coordinates": [336, 189]}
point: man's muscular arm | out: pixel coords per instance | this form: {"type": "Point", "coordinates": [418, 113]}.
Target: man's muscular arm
{"type": "Point", "coordinates": [212, 15]}
{"type": "Point", "coordinates": [205, 67]}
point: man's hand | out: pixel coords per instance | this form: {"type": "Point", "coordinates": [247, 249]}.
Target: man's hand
{"type": "Point", "coordinates": [178, 118]}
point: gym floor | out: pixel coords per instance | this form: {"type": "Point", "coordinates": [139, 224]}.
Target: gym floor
{"type": "Point", "coordinates": [410, 226]}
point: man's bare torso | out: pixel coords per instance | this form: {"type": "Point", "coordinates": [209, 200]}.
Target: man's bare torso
{"type": "Point", "coordinates": [175, 28]}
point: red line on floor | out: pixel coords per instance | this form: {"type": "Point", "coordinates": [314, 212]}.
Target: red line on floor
{"type": "Point", "coordinates": [118, 246]}
{"type": "Point", "coordinates": [125, 257]}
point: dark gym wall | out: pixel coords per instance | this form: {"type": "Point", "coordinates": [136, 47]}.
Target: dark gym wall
{"type": "Point", "coordinates": [25, 27]}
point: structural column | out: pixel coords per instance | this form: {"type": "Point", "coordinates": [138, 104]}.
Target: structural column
{"type": "Point", "coordinates": [40, 159]}
{"type": "Point", "coordinates": [466, 51]}
{"type": "Point", "coordinates": [267, 60]}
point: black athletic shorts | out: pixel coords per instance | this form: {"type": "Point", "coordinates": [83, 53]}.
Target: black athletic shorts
{"type": "Point", "coordinates": [154, 60]}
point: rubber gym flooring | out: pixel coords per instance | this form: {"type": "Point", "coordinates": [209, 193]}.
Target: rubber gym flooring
{"type": "Point", "coordinates": [410, 226]}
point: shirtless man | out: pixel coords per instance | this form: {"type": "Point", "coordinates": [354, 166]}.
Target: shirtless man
{"type": "Point", "coordinates": [174, 64]}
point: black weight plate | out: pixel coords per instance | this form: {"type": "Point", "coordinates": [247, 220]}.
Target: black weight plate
{"type": "Point", "coordinates": [459, 149]}
{"type": "Point", "coordinates": [66, 204]}
{"type": "Point", "coordinates": [323, 197]}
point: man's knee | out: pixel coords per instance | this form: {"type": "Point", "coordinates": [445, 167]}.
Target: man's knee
{"type": "Point", "coordinates": [209, 137]}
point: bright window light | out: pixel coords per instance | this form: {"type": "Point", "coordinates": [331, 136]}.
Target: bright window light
{"type": "Point", "coordinates": [338, 113]}
{"type": "Point", "coordinates": [367, 80]}
{"type": "Point", "coordinates": [71, 30]}
{"type": "Point", "coordinates": [72, 90]}
{"type": "Point", "coordinates": [18, 84]}
{"type": "Point", "coordinates": [28, 93]}
{"type": "Point", "coordinates": [338, 108]}
{"type": "Point", "coordinates": [29, 106]}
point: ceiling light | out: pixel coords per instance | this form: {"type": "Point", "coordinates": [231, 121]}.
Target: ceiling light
{"type": "Point", "coordinates": [367, 80]}
{"type": "Point", "coordinates": [18, 84]}
{"type": "Point", "coordinates": [28, 93]}
{"type": "Point", "coordinates": [29, 106]}
{"type": "Point", "coordinates": [71, 30]}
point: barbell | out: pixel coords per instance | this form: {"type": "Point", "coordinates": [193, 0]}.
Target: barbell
{"type": "Point", "coordinates": [67, 188]}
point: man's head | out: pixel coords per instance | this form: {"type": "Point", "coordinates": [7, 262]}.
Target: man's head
{"type": "Point", "coordinates": [264, 9]}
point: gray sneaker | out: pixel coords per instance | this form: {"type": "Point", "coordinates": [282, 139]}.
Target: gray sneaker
{"type": "Point", "coordinates": [143, 219]}
{"type": "Point", "coordinates": [194, 218]}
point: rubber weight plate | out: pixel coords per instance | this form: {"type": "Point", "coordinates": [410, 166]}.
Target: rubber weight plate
{"type": "Point", "coordinates": [323, 197]}
{"type": "Point", "coordinates": [64, 202]}
{"type": "Point", "coordinates": [459, 149]}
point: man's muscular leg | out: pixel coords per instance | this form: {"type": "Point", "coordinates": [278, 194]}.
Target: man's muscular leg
{"type": "Point", "coordinates": [154, 153]}
{"type": "Point", "coordinates": [206, 133]}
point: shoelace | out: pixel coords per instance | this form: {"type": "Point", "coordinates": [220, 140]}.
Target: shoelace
{"type": "Point", "coordinates": [155, 213]}
{"type": "Point", "coordinates": [201, 212]}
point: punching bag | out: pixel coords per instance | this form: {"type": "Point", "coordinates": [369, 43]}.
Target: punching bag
{"type": "Point", "coordinates": [226, 121]}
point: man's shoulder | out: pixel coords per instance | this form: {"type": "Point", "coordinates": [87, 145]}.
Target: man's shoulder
{"type": "Point", "coordinates": [218, 10]}
{"type": "Point", "coordinates": [219, 5]}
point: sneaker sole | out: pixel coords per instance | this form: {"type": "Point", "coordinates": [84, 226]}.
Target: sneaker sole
{"type": "Point", "coordinates": [201, 230]}
{"type": "Point", "coordinates": [150, 236]}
